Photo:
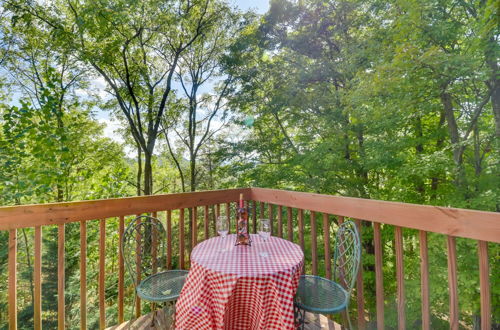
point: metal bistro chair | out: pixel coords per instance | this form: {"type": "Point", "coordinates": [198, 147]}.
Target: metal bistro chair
{"type": "Point", "coordinates": [320, 295]}
{"type": "Point", "coordinates": [144, 250]}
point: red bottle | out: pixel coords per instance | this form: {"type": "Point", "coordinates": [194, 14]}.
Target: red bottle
{"type": "Point", "coordinates": [242, 235]}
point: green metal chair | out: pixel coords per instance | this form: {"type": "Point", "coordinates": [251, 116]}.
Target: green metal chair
{"type": "Point", "coordinates": [143, 248]}
{"type": "Point", "coordinates": [320, 295]}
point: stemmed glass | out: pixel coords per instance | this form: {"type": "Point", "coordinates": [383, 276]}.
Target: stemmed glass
{"type": "Point", "coordinates": [264, 229]}
{"type": "Point", "coordinates": [222, 226]}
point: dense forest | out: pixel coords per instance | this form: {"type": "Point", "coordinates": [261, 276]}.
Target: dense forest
{"type": "Point", "coordinates": [393, 100]}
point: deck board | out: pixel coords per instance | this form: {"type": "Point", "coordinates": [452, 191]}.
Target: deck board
{"type": "Point", "coordinates": [164, 320]}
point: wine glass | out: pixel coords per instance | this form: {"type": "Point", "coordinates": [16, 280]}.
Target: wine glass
{"type": "Point", "coordinates": [222, 225]}
{"type": "Point", "coordinates": [264, 229]}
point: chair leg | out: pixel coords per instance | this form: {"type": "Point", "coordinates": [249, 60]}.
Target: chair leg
{"type": "Point", "coordinates": [169, 314]}
{"type": "Point", "coordinates": [153, 310]}
{"type": "Point", "coordinates": [299, 316]}
{"type": "Point", "coordinates": [348, 319]}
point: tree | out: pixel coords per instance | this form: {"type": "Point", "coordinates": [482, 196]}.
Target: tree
{"type": "Point", "coordinates": [135, 47]}
{"type": "Point", "coordinates": [199, 67]}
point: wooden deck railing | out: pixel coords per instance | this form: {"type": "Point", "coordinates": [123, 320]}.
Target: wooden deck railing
{"type": "Point", "coordinates": [368, 214]}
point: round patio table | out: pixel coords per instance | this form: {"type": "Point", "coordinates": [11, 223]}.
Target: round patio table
{"type": "Point", "coordinates": [240, 287]}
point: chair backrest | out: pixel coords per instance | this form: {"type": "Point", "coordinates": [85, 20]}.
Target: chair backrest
{"type": "Point", "coordinates": [347, 255]}
{"type": "Point", "coordinates": [144, 247]}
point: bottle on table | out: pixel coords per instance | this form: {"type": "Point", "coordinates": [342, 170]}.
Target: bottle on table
{"type": "Point", "coordinates": [242, 235]}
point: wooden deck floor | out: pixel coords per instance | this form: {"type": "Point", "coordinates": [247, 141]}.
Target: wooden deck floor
{"type": "Point", "coordinates": [164, 320]}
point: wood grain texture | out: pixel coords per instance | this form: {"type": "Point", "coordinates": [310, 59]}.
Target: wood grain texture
{"type": "Point", "coordinates": [83, 275]}
{"type": "Point", "coordinates": [37, 270]}
{"type": "Point", "coordinates": [326, 246]}
{"type": "Point", "coordinates": [194, 223]}
{"type": "Point", "coordinates": [448, 221]}
{"type": "Point", "coordinates": [121, 270]}
{"type": "Point", "coordinates": [360, 298]}
{"type": "Point", "coordinates": [228, 214]}
{"type": "Point", "coordinates": [424, 281]}
{"type": "Point", "coordinates": [398, 233]}
{"type": "Point", "coordinates": [280, 221]}
{"type": "Point", "coordinates": [154, 248]}
{"type": "Point", "coordinates": [484, 285]}
{"type": "Point", "coordinates": [60, 278]}
{"type": "Point", "coordinates": [12, 279]}
{"type": "Point", "coordinates": [261, 210]}
{"type": "Point", "coordinates": [138, 261]}
{"type": "Point", "coordinates": [254, 216]}
{"type": "Point", "coordinates": [379, 276]}
{"type": "Point", "coordinates": [340, 219]}
{"type": "Point", "coordinates": [452, 281]}
{"type": "Point", "coordinates": [289, 223]}
{"type": "Point", "coordinates": [57, 213]}
{"type": "Point", "coordinates": [443, 220]}
{"type": "Point", "coordinates": [102, 273]}
{"type": "Point", "coordinates": [271, 216]}
{"type": "Point", "coordinates": [300, 218]}
{"type": "Point", "coordinates": [205, 222]}
{"type": "Point", "coordinates": [169, 239]}
{"type": "Point", "coordinates": [314, 244]}
{"type": "Point", "coordinates": [181, 239]}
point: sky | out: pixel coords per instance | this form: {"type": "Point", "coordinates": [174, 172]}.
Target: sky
{"type": "Point", "coordinates": [259, 6]}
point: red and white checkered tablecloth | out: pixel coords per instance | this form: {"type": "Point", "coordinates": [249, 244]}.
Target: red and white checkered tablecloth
{"type": "Point", "coordinates": [240, 287]}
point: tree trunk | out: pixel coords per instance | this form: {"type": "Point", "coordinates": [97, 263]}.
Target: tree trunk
{"type": "Point", "coordinates": [362, 172]}
{"type": "Point", "coordinates": [492, 59]}
{"type": "Point", "coordinates": [192, 173]}
{"type": "Point", "coordinates": [458, 149]}
{"type": "Point", "coordinates": [148, 173]}
{"type": "Point", "coordinates": [478, 168]}
{"type": "Point", "coordinates": [419, 150]}
{"type": "Point", "coordinates": [139, 170]}
{"type": "Point", "coordinates": [439, 145]}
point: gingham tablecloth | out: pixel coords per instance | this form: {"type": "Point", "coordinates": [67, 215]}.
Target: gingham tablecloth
{"type": "Point", "coordinates": [240, 287]}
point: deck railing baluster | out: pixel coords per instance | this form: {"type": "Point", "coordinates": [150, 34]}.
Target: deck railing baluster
{"type": "Point", "coordinates": [12, 279]}
{"type": "Point", "coordinates": [228, 214]}
{"type": "Point", "coordinates": [424, 280]}
{"type": "Point", "coordinates": [194, 224]}
{"type": "Point", "coordinates": [181, 239]}
{"type": "Point", "coordinates": [138, 270]}
{"type": "Point", "coordinates": [154, 247]}
{"type": "Point", "coordinates": [289, 223]}
{"type": "Point", "coordinates": [60, 278]}
{"type": "Point", "coordinates": [280, 221]}
{"type": "Point", "coordinates": [300, 217]}
{"type": "Point", "coordinates": [83, 275]}
{"type": "Point", "coordinates": [121, 269]}
{"type": "Point", "coordinates": [379, 276]}
{"type": "Point", "coordinates": [205, 221]}
{"type": "Point", "coordinates": [314, 244]}
{"type": "Point", "coordinates": [270, 215]}
{"type": "Point", "coordinates": [400, 278]}
{"type": "Point", "coordinates": [254, 216]}
{"type": "Point", "coordinates": [169, 239]}
{"type": "Point", "coordinates": [102, 273]}
{"type": "Point", "coordinates": [484, 285]}
{"type": "Point", "coordinates": [326, 246]}
{"type": "Point", "coordinates": [37, 270]}
{"type": "Point", "coordinates": [360, 299]}
{"type": "Point", "coordinates": [452, 281]}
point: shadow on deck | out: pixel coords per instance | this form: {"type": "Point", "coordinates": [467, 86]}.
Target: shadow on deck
{"type": "Point", "coordinates": [165, 319]}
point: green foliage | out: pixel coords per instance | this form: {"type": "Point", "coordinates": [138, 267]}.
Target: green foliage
{"type": "Point", "coordinates": [390, 100]}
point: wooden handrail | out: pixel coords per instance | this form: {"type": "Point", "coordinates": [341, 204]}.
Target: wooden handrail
{"type": "Point", "coordinates": [479, 225]}
{"type": "Point", "coordinates": [14, 217]}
